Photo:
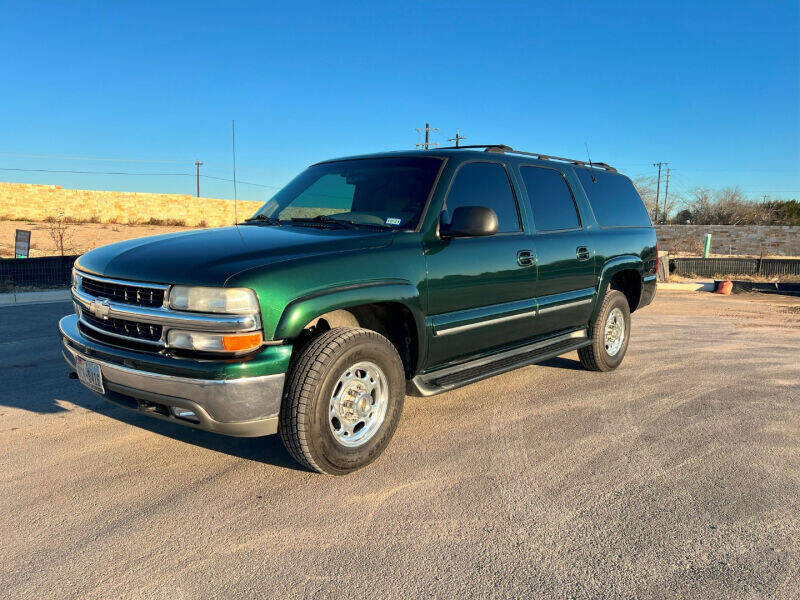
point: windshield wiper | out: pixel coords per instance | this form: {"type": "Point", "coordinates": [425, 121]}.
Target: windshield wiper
{"type": "Point", "coordinates": [263, 219]}
{"type": "Point", "coordinates": [327, 220]}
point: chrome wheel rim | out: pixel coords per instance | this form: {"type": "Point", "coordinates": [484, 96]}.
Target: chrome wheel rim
{"type": "Point", "coordinates": [358, 404]}
{"type": "Point", "coordinates": [615, 331]}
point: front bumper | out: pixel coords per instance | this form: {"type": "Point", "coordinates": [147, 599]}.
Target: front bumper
{"type": "Point", "coordinates": [245, 406]}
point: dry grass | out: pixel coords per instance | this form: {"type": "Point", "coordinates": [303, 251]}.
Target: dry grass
{"type": "Point", "coordinates": [84, 236]}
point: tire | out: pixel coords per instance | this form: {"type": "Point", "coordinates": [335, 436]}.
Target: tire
{"type": "Point", "coordinates": [347, 377]}
{"type": "Point", "coordinates": [600, 356]}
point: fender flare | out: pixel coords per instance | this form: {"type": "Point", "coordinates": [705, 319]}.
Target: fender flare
{"type": "Point", "coordinates": [298, 313]}
{"type": "Point", "coordinates": [610, 268]}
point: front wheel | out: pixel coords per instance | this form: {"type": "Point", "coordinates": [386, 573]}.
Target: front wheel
{"type": "Point", "coordinates": [342, 401]}
{"type": "Point", "coordinates": [610, 334]}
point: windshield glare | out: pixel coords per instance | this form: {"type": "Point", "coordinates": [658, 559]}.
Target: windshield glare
{"type": "Point", "coordinates": [387, 192]}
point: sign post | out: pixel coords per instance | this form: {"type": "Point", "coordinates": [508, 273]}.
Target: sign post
{"type": "Point", "coordinates": [22, 243]}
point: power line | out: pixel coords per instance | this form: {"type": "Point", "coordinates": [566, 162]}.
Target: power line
{"type": "Point", "coordinates": [91, 172]}
{"type": "Point", "coordinates": [197, 164]}
{"type": "Point", "coordinates": [274, 187]}
{"type": "Point", "coordinates": [427, 143]}
{"type": "Point", "coordinates": [99, 158]}
{"type": "Point", "coordinates": [458, 137]}
{"type": "Point", "coordinates": [658, 189]}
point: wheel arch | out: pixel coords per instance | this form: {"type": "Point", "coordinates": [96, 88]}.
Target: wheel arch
{"type": "Point", "coordinates": [391, 308]}
{"type": "Point", "coordinates": [623, 273]}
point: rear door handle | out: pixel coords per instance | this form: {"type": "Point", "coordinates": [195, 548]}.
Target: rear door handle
{"type": "Point", "coordinates": [582, 252]}
{"type": "Point", "coordinates": [525, 258]}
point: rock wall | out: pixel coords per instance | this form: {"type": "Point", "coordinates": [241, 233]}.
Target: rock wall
{"type": "Point", "coordinates": [23, 201]}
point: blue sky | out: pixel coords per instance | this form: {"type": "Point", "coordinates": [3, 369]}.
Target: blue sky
{"type": "Point", "coordinates": [711, 87]}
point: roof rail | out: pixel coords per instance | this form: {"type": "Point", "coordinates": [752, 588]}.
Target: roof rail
{"type": "Point", "coordinates": [503, 149]}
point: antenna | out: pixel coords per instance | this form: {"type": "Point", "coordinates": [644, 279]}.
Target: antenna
{"type": "Point", "coordinates": [594, 179]}
{"type": "Point", "coordinates": [233, 141]}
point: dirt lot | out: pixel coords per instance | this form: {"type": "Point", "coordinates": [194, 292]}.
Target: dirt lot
{"type": "Point", "coordinates": [678, 475]}
{"type": "Point", "coordinates": [80, 237]}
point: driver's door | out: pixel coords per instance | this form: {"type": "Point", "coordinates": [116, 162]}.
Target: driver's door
{"type": "Point", "coordinates": [480, 289]}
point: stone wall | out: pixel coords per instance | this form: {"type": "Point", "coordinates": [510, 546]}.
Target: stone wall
{"type": "Point", "coordinates": [772, 240]}
{"type": "Point", "coordinates": [23, 201]}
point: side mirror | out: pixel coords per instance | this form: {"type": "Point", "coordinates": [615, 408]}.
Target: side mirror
{"type": "Point", "coordinates": [470, 221]}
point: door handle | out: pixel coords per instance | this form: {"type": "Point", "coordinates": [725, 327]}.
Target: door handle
{"type": "Point", "coordinates": [525, 258]}
{"type": "Point", "coordinates": [582, 252]}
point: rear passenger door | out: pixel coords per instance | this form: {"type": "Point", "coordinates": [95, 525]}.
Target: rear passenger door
{"type": "Point", "coordinates": [566, 284]}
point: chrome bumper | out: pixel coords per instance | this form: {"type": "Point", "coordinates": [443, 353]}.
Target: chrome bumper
{"type": "Point", "coordinates": [243, 407]}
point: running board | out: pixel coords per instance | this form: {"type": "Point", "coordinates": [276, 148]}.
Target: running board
{"type": "Point", "coordinates": [450, 378]}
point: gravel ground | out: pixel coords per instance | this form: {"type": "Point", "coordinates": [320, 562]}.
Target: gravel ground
{"type": "Point", "coordinates": [678, 475]}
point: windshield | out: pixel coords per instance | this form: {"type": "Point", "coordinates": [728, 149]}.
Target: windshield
{"type": "Point", "coordinates": [383, 192]}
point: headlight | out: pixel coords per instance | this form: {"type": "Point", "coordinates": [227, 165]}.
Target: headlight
{"type": "Point", "coordinates": [213, 300]}
{"type": "Point", "coordinates": [76, 279]}
{"type": "Point", "coordinates": [214, 342]}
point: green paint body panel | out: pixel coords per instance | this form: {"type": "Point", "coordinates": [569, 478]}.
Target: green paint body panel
{"type": "Point", "coordinates": [449, 286]}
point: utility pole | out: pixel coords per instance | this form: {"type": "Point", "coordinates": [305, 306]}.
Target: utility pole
{"type": "Point", "coordinates": [666, 195]}
{"type": "Point", "coordinates": [197, 164]}
{"type": "Point", "coordinates": [458, 138]}
{"type": "Point", "coordinates": [658, 188]}
{"type": "Point", "coordinates": [427, 131]}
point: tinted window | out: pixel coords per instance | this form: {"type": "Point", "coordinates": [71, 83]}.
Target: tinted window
{"type": "Point", "coordinates": [379, 191]}
{"type": "Point", "coordinates": [485, 184]}
{"type": "Point", "coordinates": [615, 201]}
{"type": "Point", "coordinates": [550, 198]}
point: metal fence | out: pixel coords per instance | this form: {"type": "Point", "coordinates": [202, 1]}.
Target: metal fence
{"type": "Point", "coordinates": [708, 267]}
{"type": "Point", "coordinates": [45, 271]}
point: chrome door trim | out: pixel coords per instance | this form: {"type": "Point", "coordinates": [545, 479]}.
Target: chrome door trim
{"type": "Point", "coordinates": [468, 326]}
{"type": "Point", "coordinates": [548, 309]}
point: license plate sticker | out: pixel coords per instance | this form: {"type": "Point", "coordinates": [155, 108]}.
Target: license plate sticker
{"type": "Point", "coordinates": [89, 374]}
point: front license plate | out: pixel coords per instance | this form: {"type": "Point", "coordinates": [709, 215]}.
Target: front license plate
{"type": "Point", "coordinates": [89, 374]}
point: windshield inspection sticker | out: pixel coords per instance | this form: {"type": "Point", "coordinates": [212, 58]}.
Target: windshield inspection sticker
{"type": "Point", "coordinates": [393, 221]}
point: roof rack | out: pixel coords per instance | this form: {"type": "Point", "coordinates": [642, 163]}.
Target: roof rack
{"type": "Point", "coordinates": [503, 149]}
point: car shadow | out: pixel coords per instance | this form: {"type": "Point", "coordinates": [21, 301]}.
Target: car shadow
{"type": "Point", "coordinates": [559, 362]}
{"type": "Point", "coordinates": [55, 392]}
{"type": "Point", "coordinates": [267, 449]}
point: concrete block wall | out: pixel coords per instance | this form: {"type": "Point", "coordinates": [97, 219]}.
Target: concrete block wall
{"type": "Point", "coordinates": [773, 240]}
{"type": "Point", "coordinates": [38, 202]}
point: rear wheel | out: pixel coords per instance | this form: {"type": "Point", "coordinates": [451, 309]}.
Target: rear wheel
{"type": "Point", "coordinates": [343, 399]}
{"type": "Point", "coordinates": [610, 334]}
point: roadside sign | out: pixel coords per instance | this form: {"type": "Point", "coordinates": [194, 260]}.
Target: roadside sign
{"type": "Point", "coordinates": [22, 243]}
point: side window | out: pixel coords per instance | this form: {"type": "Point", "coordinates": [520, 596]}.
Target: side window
{"type": "Point", "coordinates": [485, 184]}
{"type": "Point", "coordinates": [615, 201]}
{"type": "Point", "coordinates": [551, 199]}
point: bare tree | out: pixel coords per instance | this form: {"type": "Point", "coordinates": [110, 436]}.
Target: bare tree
{"type": "Point", "coordinates": [61, 233]}
{"type": "Point", "coordinates": [646, 186]}
{"type": "Point", "coordinates": [727, 206]}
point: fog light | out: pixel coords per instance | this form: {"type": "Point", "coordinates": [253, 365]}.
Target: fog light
{"type": "Point", "coordinates": [183, 413]}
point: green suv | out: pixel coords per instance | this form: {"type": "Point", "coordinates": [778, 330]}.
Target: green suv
{"type": "Point", "coordinates": [363, 280]}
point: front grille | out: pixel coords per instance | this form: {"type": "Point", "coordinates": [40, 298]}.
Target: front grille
{"type": "Point", "coordinates": [130, 329]}
{"type": "Point", "coordinates": [140, 295]}
{"type": "Point", "coordinates": [110, 340]}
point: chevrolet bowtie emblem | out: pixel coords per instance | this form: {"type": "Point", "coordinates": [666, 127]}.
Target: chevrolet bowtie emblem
{"type": "Point", "coordinates": [99, 307]}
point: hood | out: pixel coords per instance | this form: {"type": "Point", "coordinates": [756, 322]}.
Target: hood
{"type": "Point", "coordinates": [211, 256]}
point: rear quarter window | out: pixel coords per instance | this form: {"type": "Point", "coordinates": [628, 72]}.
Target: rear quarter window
{"type": "Point", "coordinates": [614, 200]}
